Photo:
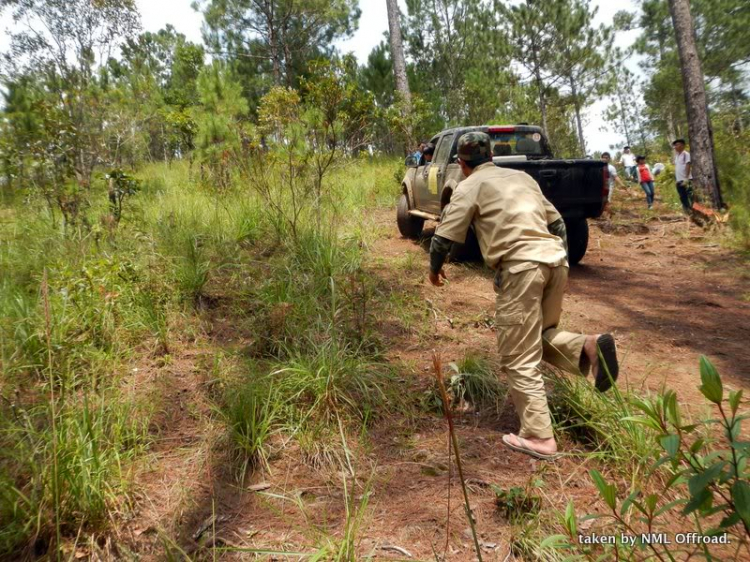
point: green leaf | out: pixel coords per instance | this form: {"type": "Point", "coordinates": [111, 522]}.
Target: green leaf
{"type": "Point", "coordinates": [640, 507]}
{"type": "Point", "coordinates": [671, 444]}
{"type": "Point", "coordinates": [676, 479]}
{"type": "Point", "coordinates": [741, 466]}
{"type": "Point", "coordinates": [730, 521]}
{"type": "Point", "coordinates": [607, 491]}
{"type": "Point", "coordinates": [715, 509]}
{"type": "Point", "coordinates": [554, 541]}
{"type": "Point", "coordinates": [629, 500]}
{"type": "Point", "coordinates": [701, 501]}
{"type": "Point", "coordinates": [667, 507]}
{"type": "Point", "coordinates": [660, 462]}
{"type": "Point", "coordinates": [698, 445]}
{"type": "Point", "coordinates": [727, 475]}
{"type": "Point", "coordinates": [734, 431]}
{"type": "Point", "coordinates": [648, 422]}
{"type": "Point", "coordinates": [735, 398]}
{"type": "Point", "coordinates": [699, 482]}
{"type": "Point", "coordinates": [670, 406]}
{"type": "Point", "coordinates": [741, 499]}
{"type": "Point", "coordinates": [570, 519]}
{"type": "Point", "coordinates": [711, 388]}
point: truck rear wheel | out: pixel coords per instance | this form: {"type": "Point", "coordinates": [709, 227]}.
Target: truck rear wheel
{"type": "Point", "coordinates": [468, 251]}
{"type": "Point", "coordinates": [408, 225]}
{"type": "Point", "coordinates": [578, 239]}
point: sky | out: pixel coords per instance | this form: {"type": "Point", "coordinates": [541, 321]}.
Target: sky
{"type": "Point", "coordinates": [155, 14]}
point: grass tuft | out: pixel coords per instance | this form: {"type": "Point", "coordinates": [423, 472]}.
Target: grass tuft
{"type": "Point", "coordinates": [601, 422]}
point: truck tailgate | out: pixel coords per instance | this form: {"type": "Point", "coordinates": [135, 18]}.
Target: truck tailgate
{"type": "Point", "coordinates": [577, 188]}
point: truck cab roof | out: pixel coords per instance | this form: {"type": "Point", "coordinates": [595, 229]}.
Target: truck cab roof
{"type": "Point", "coordinates": [508, 141]}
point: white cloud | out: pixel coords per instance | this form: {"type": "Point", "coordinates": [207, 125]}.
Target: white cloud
{"type": "Point", "coordinates": [156, 14]}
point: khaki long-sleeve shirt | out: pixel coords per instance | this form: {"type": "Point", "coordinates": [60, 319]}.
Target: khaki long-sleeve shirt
{"type": "Point", "coordinates": [510, 216]}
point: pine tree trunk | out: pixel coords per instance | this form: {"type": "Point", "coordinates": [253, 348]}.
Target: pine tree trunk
{"type": "Point", "coordinates": [579, 122]}
{"type": "Point", "coordinates": [399, 63]}
{"type": "Point", "coordinates": [542, 104]}
{"type": "Point", "coordinates": [671, 128]}
{"type": "Point", "coordinates": [624, 119]}
{"type": "Point", "coordinates": [699, 125]}
{"type": "Point", "coordinates": [397, 51]}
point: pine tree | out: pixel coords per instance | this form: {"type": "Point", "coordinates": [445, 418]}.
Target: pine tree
{"type": "Point", "coordinates": [218, 120]}
{"type": "Point", "coordinates": [531, 27]}
{"type": "Point", "coordinates": [699, 125]}
{"type": "Point", "coordinates": [397, 52]}
{"type": "Point", "coordinates": [276, 37]}
{"type": "Point", "coordinates": [583, 55]}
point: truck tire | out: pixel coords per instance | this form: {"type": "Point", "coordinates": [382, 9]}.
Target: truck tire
{"type": "Point", "coordinates": [578, 239]}
{"type": "Point", "coordinates": [408, 225]}
{"type": "Point", "coordinates": [468, 251]}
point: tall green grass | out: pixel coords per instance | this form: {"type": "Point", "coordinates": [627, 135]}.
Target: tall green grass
{"type": "Point", "coordinates": [600, 423]}
{"type": "Point", "coordinates": [90, 447]}
{"type": "Point", "coordinates": [114, 294]}
{"type": "Point", "coordinates": [733, 162]}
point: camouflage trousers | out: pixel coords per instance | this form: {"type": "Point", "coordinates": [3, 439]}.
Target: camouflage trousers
{"type": "Point", "coordinates": [528, 308]}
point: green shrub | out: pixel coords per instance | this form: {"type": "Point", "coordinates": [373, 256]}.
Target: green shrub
{"type": "Point", "coordinates": [518, 503]}
{"type": "Point", "coordinates": [733, 162]}
{"type": "Point", "coordinates": [700, 480]}
{"type": "Point", "coordinates": [70, 473]}
{"type": "Point", "coordinates": [331, 380]}
{"type": "Point", "coordinates": [601, 422]}
{"type": "Point", "coordinates": [251, 410]}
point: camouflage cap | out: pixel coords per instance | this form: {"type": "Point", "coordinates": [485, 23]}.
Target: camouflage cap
{"type": "Point", "coordinates": [474, 147]}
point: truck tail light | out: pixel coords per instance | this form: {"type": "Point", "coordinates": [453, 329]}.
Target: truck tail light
{"type": "Point", "coordinates": [501, 129]}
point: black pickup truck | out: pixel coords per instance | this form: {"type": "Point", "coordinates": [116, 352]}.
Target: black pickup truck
{"type": "Point", "coordinates": [577, 188]}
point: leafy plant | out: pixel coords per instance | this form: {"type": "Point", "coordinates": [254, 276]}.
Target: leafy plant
{"type": "Point", "coordinates": [704, 469]}
{"type": "Point", "coordinates": [518, 503]}
{"type": "Point", "coordinates": [120, 186]}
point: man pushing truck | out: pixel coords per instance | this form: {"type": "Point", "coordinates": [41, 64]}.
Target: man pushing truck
{"type": "Point", "coordinates": [521, 236]}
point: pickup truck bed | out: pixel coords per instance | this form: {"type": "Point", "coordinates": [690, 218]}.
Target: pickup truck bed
{"type": "Point", "coordinates": [577, 188]}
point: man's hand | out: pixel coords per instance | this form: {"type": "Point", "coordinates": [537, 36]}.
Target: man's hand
{"type": "Point", "coordinates": [437, 278]}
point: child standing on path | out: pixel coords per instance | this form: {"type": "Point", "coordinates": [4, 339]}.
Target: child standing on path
{"type": "Point", "coordinates": [647, 179]}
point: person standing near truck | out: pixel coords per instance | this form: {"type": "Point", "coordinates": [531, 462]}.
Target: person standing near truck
{"type": "Point", "coordinates": [521, 236]}
{"type": "Point", "coordinates": [627, 159]}
{"type": "Point", "coordinates": [613, 179]}
{"type": "Point", "coordinates": [683, 175]}
{"type": "Point", "coordinates": [647, 180]}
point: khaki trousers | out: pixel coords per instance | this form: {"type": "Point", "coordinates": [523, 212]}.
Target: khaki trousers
{"type": "Point", "coordinates": [529, 305]}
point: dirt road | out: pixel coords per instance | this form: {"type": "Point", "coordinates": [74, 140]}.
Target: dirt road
{"type": "Point", "coordinates": [666, 290]}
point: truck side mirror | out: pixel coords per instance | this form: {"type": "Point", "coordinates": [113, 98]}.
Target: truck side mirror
{"type": "Point", "coordinates": [412, 161]}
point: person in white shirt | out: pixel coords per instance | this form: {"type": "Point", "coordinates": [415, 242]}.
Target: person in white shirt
{"type": "Point", "coordinates": [683, 174]}
{"type": "Point", "coordinates": [627, 159]}
{"type": "Point", "coordinates": [613, 179]}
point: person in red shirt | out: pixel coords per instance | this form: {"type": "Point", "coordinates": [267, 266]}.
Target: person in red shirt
{"type": "Point", "coordinates": [646, 178]}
